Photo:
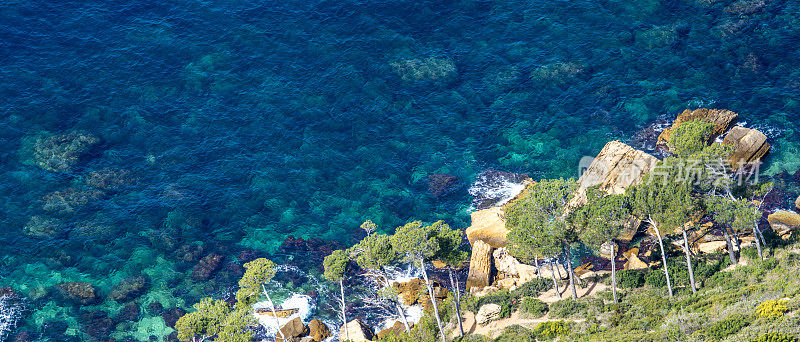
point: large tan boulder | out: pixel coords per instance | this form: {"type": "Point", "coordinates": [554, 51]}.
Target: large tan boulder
{"type": "Point", "coordinates": [713, 247]}
{"type": "Point", "coordinates": [721, 118]}
{"type": "Point", "coordinates": [488, 225]}
{"type": "Point", "coordinates": [616, 168]}
{"type": "Point", "coordinates": [488, 313]}
{"type": "Point", "coordinates": [561, 272]}
{"type": "Point", "coordinates": [509, 267]}
{"type": "Point", "coordinates": [480, 265]}
{"type": "Point", "coordinates": [784, 222]}
{"type": "Point", "coordinates": [749, 145]}
{"type": "Point", "coordinates": [318, 331]}
{"type": "Point", "coordinates": [356, 331]}
{"type": "Point", "coordinates": [396, 329]}
{"type": "Point", "coordinates": [292, 330]}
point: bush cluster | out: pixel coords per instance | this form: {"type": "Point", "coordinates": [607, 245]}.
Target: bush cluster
{"type": "Point", "coordinates": [630, 279]}
{"type": "Point", "coordinates": [772, 308]}
{"type": "Point", "coordinates": [724, 328]}
{"type": "Point", "coordinates": [533, 307]}
{"type": "Point", "coordinates": [775, 337]}
{"type": "Point", "coordinates": [550, 330]}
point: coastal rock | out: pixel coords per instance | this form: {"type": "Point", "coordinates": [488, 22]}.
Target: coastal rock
{"type": "Point", "coordinates": [506, 283]}
{"type": "Point", "coordinates": [129, 313]}
{"type": "Point", "coordinates": [128, 289]}
{"type": "Point", "coordinates": [97, 324]}
{"type": "Point", "coordinates": [79, 293]}
{"type": "Point", "coordinates": [60, 152]}
{"type": "Point", "coordinates": [280, 313]}
{"type": "Point", "coordinates": [797, 203]}
{"type": "Point", "coordinates": [396, 329]}
{"type": "Point", "coordinates": [721, 118]}
{"type": "Point", "coordinates": [749, 145]}
{"type": "Point", "coordinates": [357, 331]}
{"type": "Point", "coordinates": [616, 168]}
{"type": "Point", "coordinates": [480, 265]}
{"type": "Point", "coordinates": [489, 226]}
{"type": "Point", "coordinates": [634, 263]}
{"type": "Point", "coordinates": [509, 267]}
{"type": "Point", "coordinates": [547, 273]}
{"type": "Point", "coordinates": [293, 330]}
{"type": "Point", "coordinates": [413, 292]}
{"type": "Point", "coordinates": [493, 188]}
{"type": "Point", "coordinates": [442, 184]}
{"type": "Point", "coordinates": [607, 250]}
{"type": "Point", "coordinates": [206, 267]}
{"type": "Point", "coordinates": [488, 313]}
{"type": "Point", "coordinates": [469, 322]}
{"type": "Point", "coordinates": [784, 222]}
{"type": "Point", "coordinates": [318, 331]}
{"type": "Point", "coordinates": [712, 247]}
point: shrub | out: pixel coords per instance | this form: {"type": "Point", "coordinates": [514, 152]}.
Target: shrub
{"type": "Point", "coordinates": [729, 326]}
{"type": "Point", "coordinates": [566, 308]}
{"type": "Point", "coordinates": [775, 337]}
{"type": "Point", "coordinates": [532, 288]}
{"type": "Point", "coordinates": [750, 253]}
{"type": "Point", "coordinates": [516, 333]}
{"type": "Point", "coordinates": [425, 330]}
{"type": "Point", "coordinates": [630, 279]}
{"type": "Point", "coordinates": [533, 307]}
{"type": "Point", "coordinates": [656, 278]}
{"type": "Point", "coordinates": [772, 308]}
{"type": "Point", "coordinates": [507, 302]}
{"type": "Point", "coordinates": [689, 137]}
{"type": "Point", "coordinates": [550, 330]}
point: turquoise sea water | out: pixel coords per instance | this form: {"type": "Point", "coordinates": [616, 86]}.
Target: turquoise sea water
{"type": "Point", "coordinates": [139, 137]}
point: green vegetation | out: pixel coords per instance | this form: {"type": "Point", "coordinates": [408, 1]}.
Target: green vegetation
{"type": "Point", "coordinates": [689, 138]}
{"type": "Point", "coordinates": [335, 266]}
{"type": "Point", "coordinates": [218, 320]}
{"type": "Point", "coordinates": [533, 307]}
{"type": "Point", "coordinates": [538, 226]}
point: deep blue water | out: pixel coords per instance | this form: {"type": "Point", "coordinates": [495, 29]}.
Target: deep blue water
{"type": "Point", "coordinates": [231, 125]}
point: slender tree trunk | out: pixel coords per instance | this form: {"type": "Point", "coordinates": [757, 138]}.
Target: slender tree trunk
{"type": "Point", "coordinates": [456, 302]}
{"type": "Point", "coordinates": [536, 262]}
{"type": "Point", "coordinates": [663, 255]}
{"type": "Point", "coordinates": [555, 283]}
{"type": "Point", "coordinates": [614, 271]}
{"type": "Point", "coordinates": [758, 243]}
{"type": "Point", "coordinates": [558, 262]}
{"type": "Point", "coordinates": [433, 301]}
{"type": "Point", "coordinates": [728, 242]}
{"type": "Point", "coordinates": [689, 260]}
{"type": "Point", "coordinates": [344, 306]}
{"type": "Point", "coordinates": [570, 273]}
{"type": "Point", "coordinates": [402, 314]}
{"type": "Point", "coordinates": [275, 315]}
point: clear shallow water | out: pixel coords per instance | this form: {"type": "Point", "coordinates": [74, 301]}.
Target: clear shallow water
{"type": "Point", "coordinates": [242, 122]}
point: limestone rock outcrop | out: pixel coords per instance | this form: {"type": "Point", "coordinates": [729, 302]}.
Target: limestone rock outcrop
{"type": "Point", "coordinates": [616, 168]}
{"type": "Point", "coordinates": [292, 330]}
{"type": "Point", "coordinates": [480, 265]}
{"type": "Point", "coordinates": [784, 222]}
{"type": "Point", "coordinates": [489, 226]}
{"type": "Point", "coordinates": [721, 118]}
{"type": "Point", "coordinates": [488, 313]}
{"type": "Point", "coordinates": [509, 268]}
{"type": "Point", "coordinates": [318, 331]}
{"type": "Point", "coordinates": [357, 331]}
{"type": "Point", "coordinates": [749, 145]}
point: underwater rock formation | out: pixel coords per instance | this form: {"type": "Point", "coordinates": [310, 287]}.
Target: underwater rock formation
{"type": "Point", "coordinates": [109, 179]}
{"type": "Point", "coordinates": [43, 226]}
{"type": "Point", "coordinates": [60, 152]}
{"type": "Point", "coordinates": [424, 69]}
{"type": "Point", "coordinates": [206, 267]}
{"type": "Point", "coordinates": [80, 293]}
{"type": "Point", "coordinates": [129, 288]}
{"type": "Point", "coordinates": [442, 184]}
{"type": "Point", "coordinates": [69, 200]}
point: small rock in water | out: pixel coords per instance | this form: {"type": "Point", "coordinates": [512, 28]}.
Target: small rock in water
{"type": "Point", "coordinates": [79, 293]}
{"type": "Point", "coordinates": [172, 315]}
{"type": "Point", "coordinates": [493, 187]}
{"type": "Point", "coordinates": [206, 267]}
{"type": "Point", "coordinates": [442, 184]}
{"type": "Point", "coordinates": [129, 288]}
